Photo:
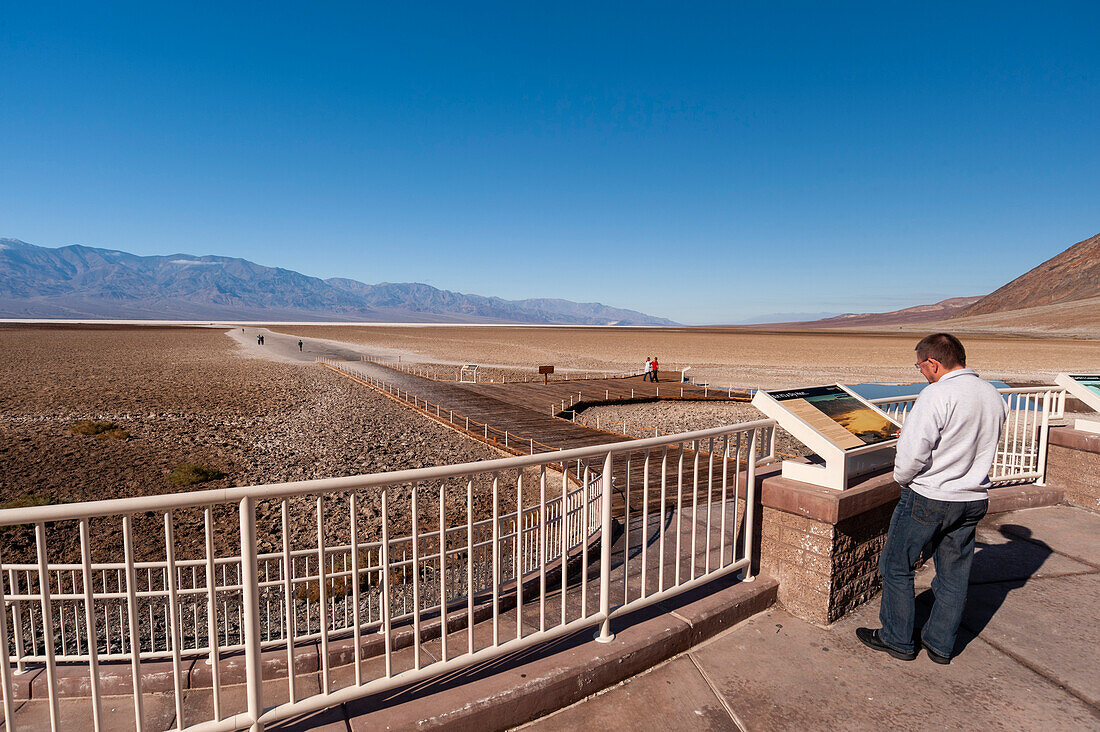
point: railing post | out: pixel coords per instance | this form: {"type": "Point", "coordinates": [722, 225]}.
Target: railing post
{"type": "Point", "coordinates": [5, 669]}
{"type": "Point", "coordinates": [47, 628]}
{"type": "Point", "coordinates": [605, 635]}
{"type": "Point", "coordinates": [17, 619]}
{"type": "Point", "coordinates": [1044, 431]}
{"type": "Point", "coordinates": [251, 601]}
{"type": "Point", "coordinates": [750, 507]}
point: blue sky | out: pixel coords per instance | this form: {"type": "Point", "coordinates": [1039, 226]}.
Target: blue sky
{"type": "Point", "coordinates": [703, 162]}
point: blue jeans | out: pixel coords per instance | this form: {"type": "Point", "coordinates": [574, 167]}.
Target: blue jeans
{"type": "Point", "coordinates": [948, 528]}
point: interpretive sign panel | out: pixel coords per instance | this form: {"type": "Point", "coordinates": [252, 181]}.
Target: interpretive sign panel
{"type": "Point", "coordinates": [468, 373]}
{"type": "Point", "coordinates": [1092, 381]}
{"type": "Point", "coordinates": [847, 421]}
{"type": "Point", "coordinates": [1085, 387]}
{"type": "Point", "coordinates": [849, 435]}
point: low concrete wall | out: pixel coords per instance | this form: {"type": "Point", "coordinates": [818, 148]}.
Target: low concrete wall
{"type": "Point", "coordinates": [1073, 464]}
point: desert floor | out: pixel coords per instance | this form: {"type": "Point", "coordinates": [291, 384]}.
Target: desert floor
{"type": "Point", "coordinates": [187, 395]}
{"type": "Point", "coordinates": [725, 356]}
{"type": "Point", "coordinates": [210, 396]}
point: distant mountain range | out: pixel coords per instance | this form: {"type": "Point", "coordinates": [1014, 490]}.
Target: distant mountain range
{"type": "Point", "coordinates": [771, 318]}
{"type": "Point", "coordinates": [91, 283]}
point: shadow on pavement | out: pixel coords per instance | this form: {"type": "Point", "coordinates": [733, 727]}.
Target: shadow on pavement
{"type": "Point", "coordinates": [998, 569]}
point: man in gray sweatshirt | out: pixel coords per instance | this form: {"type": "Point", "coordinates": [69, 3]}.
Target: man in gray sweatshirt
{"type": "Point", "coordinates": [944, 454]}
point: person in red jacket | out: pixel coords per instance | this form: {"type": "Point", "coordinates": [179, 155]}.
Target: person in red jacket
{"type": "Point", "coordinates": [653, 373]}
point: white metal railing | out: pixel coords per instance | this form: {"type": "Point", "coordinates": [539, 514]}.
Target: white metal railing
{"type": "Point", "coordinates": [1022, 450]}
{"type": "Point", "coordinates": [193, 583]}
{"type": "Point", "coordinates": [629, 429]}
{"type": "Point", "coordinates": [482, 540]}
{"type": "Point", "coordinates": [493, 375]}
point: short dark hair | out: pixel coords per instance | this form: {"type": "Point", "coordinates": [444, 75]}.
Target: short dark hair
{"type": "Point", "coordinates": [944, 347]}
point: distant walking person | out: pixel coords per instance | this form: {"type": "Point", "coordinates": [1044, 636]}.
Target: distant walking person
{"type": "Point", "coordinates": [648, 368]}
{"type": "Point", "coordinates": [259, 340]}
{"type": "Point", "coordinates": [653, 370]}
{"type": "Point", "coordinates": [942, 464]}
{"type": "Point", "coordinates": [299, 346]}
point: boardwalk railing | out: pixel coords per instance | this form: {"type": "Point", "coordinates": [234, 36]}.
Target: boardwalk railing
{"type": "Point", "coordinates": [629, 429]}
{"type": "Point", "coordinates": [487, 432]}
{"type": "Point", "coordinates": [1022, 451]}
{"type": "Point", "coordinates": [504, 375]}
{"type": "Point", "coordinates": [269, 572]}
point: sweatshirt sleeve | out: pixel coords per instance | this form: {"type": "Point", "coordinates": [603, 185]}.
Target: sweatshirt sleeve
{"type": "Point", "coordinates": [919, 434]}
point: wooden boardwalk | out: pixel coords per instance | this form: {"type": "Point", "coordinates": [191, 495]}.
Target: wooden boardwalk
{"type": "Point", "coordinates": [518, 418]}
{"type": "Point", "coordinates": [534, 411]}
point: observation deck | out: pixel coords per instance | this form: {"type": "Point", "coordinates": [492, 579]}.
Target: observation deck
{"type": "Point", "coordinates": [469, 595]}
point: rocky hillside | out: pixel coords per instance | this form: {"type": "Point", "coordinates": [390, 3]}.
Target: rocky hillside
{"type": "Point", "coordinates": [1070, 276]}
{"type": "Point", "coordinates": [916, 314]}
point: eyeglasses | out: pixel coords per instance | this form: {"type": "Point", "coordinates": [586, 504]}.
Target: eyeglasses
{"type": "Point", "coordinates": [921, 363]}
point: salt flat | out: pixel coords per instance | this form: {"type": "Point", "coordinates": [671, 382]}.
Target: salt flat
{"type": "Point", "coordinates": [187, 395]}
{"type": "Point", "coordinates": [728, 356]}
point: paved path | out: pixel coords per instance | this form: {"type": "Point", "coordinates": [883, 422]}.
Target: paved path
{"type": "Point", "coordinates": [1028, 658]}
{"type": "Point", "coordinates": [282, 347]}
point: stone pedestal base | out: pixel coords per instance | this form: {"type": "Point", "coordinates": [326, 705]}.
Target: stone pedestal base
{"type": "Point", "coordinates": [823, 545]}
{"type": "Point", "coordinates": [1073, 464]}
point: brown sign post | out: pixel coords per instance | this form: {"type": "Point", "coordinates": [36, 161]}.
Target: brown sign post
{"type": "Point", "coordinates": [546, 371]}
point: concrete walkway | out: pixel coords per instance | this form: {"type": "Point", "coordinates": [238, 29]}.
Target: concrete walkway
{"type": "Point", "coordinates": [1027, 655]}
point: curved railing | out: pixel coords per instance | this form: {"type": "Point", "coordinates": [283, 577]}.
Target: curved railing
{"type": "Point", "coordinates": [198, 589]}
{"type": "Point", "coordinates": [482, 430]}
{"type": "Point", "coordinates": [252, 577]}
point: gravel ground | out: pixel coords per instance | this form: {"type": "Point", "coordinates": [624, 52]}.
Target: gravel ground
{"type": "Point", "coordinates": [684, 416]}
{"type": "Point", "coordinates": [188, 395]}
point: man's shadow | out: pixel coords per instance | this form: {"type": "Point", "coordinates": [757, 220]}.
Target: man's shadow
{"type": "Point", "coordinates": [998, 569]}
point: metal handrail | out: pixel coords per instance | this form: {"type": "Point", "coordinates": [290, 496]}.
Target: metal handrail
{"type": "Point", "coordinates": [76, 613]}
{"type": "Point", "coordinates": [1022, 449]}
{"type": "Point", "coordinates": [436, 371]}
